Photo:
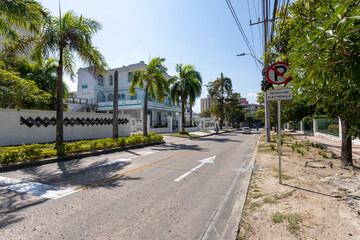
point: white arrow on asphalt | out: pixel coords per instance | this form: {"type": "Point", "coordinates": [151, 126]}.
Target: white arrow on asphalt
{"type": "Point", "coordinates": [203, 162]}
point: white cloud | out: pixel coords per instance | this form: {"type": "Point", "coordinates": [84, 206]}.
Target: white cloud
{"type": "Point", "coordinates": [251, 97]}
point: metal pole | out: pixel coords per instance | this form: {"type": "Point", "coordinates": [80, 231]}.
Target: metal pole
{"type": "Point", "coordinates": [267, 119]}
{"type": "Point", "coordinates": [279, 140]}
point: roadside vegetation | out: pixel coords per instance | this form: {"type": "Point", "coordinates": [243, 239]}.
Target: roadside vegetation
{"type": "Point", "coordinates": [184, 134]}
{"type": "Point", "coordinates": [305, 197]}
{"type": "Point", "coordinates": [33, 152]}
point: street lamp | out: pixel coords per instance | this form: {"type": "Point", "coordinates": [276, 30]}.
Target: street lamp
{"type": "Point", "coordinates": [243, 54]}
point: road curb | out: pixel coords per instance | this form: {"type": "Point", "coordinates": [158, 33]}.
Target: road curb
{"type": "Point", "coordinates": [41, 162]}
{"type": "Point", "coordinates": [235, 208]}
{"type": "Point", "coordinates": [232, 227]}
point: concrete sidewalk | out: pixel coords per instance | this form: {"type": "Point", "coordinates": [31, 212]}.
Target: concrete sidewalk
{"type": "Point", "coordinates": [334, 145]}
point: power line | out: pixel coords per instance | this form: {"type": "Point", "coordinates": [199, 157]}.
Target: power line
{"type": "Point", "coordinates": [241, 31]}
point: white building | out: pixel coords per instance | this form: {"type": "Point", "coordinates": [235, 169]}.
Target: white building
{"type": "Point", "coordinates": [96, 94]}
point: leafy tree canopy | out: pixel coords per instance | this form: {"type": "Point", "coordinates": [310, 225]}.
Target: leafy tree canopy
{"type": "Point", "coordinates": [16, 92]}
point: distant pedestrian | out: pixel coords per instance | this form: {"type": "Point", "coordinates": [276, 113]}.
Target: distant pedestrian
{"type": "Point", "coordinates": [216, 128]}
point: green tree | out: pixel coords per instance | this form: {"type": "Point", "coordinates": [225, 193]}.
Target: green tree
{"type": "Point", "coordinates": [249, 119]}
{"type": "Point", "coordinates": [185, 87]}
{"type": "Point", "coordinates": [153, 80]}
{"type": "Point", "coordinates": [234, 111]}
{"type": "Point", "coordinates": [63, 37]}
{"type": "Point", "coordinates": [16, 92]}
{"type": "Point", "coordinates": [220, 89]}
{"type": "Point", "coordinates": [205, 114]}
{"type": "Point", "coordinates": [19, 14]}
{"type": "Point", "coordinates": [321, 43]}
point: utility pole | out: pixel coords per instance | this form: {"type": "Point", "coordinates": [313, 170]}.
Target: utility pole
{"type": "Point", "coordinates": [266, 65]}
{"type": "Point", "coordinates": [265, 84]}
{"type": "Point", "coordinates": [115, 106]}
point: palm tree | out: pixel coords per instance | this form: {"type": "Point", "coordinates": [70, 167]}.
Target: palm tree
{"type": "Point", "coordinates": [187, 85]}
{"type": "Point", "coordinates": [63, 37]}
{"type": "Point", "coordinates": [153, 80]}
{"type": "Point", "coordinates": [220, 87]}
{"type": "Point", "coordinates": [26, 15]}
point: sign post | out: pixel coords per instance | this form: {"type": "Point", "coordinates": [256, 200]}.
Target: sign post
{"type": "Point", "coordinates": [275, 74]}
{"type": "Point", "coordinates": [279, 139]}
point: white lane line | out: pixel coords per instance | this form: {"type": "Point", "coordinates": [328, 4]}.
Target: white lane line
{"type": "Point", "coordinates": [139, 154]}
{"type": "Point", "coordinates": [203, 162]}
{"type": "Point", "coordinates": [35, 188]}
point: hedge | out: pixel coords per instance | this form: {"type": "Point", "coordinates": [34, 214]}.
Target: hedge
{"type": "Point", "coordinates": [37, 151]}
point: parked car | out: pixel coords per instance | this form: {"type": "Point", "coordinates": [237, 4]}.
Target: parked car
{"type": "Point", "coordinates": [246, 130]}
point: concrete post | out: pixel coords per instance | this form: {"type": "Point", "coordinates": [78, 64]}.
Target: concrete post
{"type": "Point", "coordinates": [315, 126]}
{"type": "Point", "coordinates": [170, 126]}
{"type": "Point", "coordinates": [180, 123]}
{"type": "Point", "coordinates": [302, 126]}
{"type": "Point", "coordinates": [340, 128]}
{"type": "Point", "coordinates": [148, 122]}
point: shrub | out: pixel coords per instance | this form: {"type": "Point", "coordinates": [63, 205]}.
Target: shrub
{"type": "Point", "coordinates": [11, 156]}
{"type": "Point", "coordinates": [30, 152]}
{"type": "Point", "coordinates": [183, 132]}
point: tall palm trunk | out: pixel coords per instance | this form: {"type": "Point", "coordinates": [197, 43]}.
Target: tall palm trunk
{"type": "Point", "coordinates": [145, 112]}
{"type": "Point", "coordinates": [115, 106]}
{"type": "Point", "coordinates": [59, 106]}
{"type": "Point", "coordinates": [190, 114]}
{"type": "Point", "coordinates": [182, 115]}
{"type": "Point", "coordinates": [346, 145]}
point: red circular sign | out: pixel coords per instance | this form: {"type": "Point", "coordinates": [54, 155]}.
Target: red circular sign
{"type": "Point", "coordinates": [276, 72]}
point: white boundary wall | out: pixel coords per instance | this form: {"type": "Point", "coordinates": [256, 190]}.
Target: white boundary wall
{"type": "Point", "coordinates": [12, 132]}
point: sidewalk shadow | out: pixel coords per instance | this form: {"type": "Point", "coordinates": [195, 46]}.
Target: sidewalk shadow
{"type": "Point", "coordinates": [311, 191]}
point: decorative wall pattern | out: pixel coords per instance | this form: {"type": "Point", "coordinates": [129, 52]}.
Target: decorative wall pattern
{"type": "Point", "coordinates": [38, 122]}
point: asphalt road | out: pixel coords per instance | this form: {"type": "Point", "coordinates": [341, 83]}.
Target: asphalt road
{"type": "Point", "coordinates": [158, 192]}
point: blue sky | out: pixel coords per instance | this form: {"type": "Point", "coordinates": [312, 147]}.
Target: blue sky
{"type": "Point", "coordinates": [198, 32]}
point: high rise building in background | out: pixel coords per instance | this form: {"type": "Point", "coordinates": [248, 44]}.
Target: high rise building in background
{"type": "Point", "coordinates": [250, 108]}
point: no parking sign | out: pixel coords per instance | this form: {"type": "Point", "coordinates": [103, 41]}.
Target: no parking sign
{"type": "Point", "coordinates": [276, 72]}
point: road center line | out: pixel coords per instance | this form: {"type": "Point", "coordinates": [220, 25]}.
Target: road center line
{"type": "Point", "coordinates": [137, 169]}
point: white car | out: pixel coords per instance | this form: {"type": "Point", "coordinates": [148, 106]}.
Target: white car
{"type": "Point", "coordinates": [246, 130]}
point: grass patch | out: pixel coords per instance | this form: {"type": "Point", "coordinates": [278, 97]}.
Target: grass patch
{"type": "Point", "coordinates": [278, 217]}
{"type": "Point", "coordinates": [274, 199]}
{"type": "Point", "coordinates": [254, 205]}
{"type": "Point", "coordinates": [293, 221]}
{"type": "Point", "coordinates": [258, 195]}
{"type": "Point", "coordinates": [184, 135]}
{"type": "Point", "coordinates": [269, 200]}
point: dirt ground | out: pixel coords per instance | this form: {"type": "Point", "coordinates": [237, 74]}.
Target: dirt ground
{"type": "Point", "coordinates": [316, 200]}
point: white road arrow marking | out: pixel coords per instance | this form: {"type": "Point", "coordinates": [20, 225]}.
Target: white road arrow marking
{"type": "Point", "coordinates": [203, 162]}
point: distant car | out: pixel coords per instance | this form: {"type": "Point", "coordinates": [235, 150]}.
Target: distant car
{"type": "Point", "coordinates": [246, 130]}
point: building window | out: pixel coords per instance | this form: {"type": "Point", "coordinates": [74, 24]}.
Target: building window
{"type": "Point", "coordinates": [84, 86]}
{"type": "Point", "coordinates": [111, 80]}
{"type": "Point", "coordinates": [133, 97]}
{"type": "Point", "coordinates": [100, 97]}
{"type": "Point", "coordinates": [111, 97]}
{"type": "Point", "coordinates": [130, 74]}
{"type": "Point", "coordinates": [100, 80]}
{"type": "Point", "coordinates": [121, 96]}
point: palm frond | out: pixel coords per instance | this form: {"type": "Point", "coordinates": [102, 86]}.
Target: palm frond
{"type": "Point", "coordinates": [69, 63]}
